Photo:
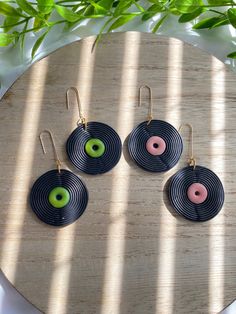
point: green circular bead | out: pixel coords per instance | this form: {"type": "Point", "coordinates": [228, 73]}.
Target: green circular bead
{"type": "Point", "coordinates": [94, 148]}
{"type": "Point", "coordinates": [59, 197]}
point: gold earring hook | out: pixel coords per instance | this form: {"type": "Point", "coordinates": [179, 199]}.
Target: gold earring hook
{"type": "Point", "coordinates": [150, 116]}
{"type": "Point", "coordinates": [82, 119]}
{"type": "Point", "coordinates": [192, 159]}
{"type": "Point", "coordinates": [57, 160]}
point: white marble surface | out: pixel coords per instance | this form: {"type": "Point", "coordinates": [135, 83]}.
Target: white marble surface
{"type": "Point", "coordinates": [11, 301]}
{"type": "Point", "coordinates": [231, 309]}
{"type": "Point", "coordinates": [218, 42]}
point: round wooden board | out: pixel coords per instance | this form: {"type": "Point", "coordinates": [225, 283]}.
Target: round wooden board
{"type": "Point", "coordinates": [129, 252]}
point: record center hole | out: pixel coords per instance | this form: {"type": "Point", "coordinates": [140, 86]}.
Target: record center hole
{"type": "Point", "coordinates": [59, 197]}
{"type": "Point", "coordinates": [95, 147]}
{"type": "Point", "coordinates": [197, 193]}
{"type": "Point", "coordinates": [155, 145]}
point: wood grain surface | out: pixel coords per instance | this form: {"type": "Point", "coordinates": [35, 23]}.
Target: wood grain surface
{"type": "Point", "coordinates": [129, 252]}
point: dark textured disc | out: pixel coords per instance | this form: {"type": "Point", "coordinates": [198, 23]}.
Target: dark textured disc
{"type": "Point", "coordinates": [76, 142]}
{"type": "Point", "coordinates": [142, 133]}
{"type": "Point", "coordinates": [39, 197]}
{"type": "Point", "coordinates": [178, 193]}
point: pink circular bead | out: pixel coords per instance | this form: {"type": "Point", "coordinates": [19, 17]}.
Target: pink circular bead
{"type": "Point", "coordinates": [156, 145]}
{"type": "Point", "coordinates": [197, 193]}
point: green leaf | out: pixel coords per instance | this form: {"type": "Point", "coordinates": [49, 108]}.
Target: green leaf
{"type": "Point", "coordinates": [172, 9]}
{"type": "Point", "coordinates": [122, 7]}
{"type": "Point", "coordinates": [106, 4]}
{"type": "Point", "coordinates": [219, 2]}
{"type": "Point", "coordinates": [232, 55]}
{"type": "Point", "coordinates": [121, 21]}
{"type": "Point", "coordinates": [159, 23]}
{"type": "Point", "coordinates": [6, 39]}
{"type": "Point", "coordinates": [38, 44]}
{"type": "Point", "coordinates": [101, 31]}
{"type": "Point", "coordinates": [98, 9]}
{"type": "Point", "coordinates": [115, 4]}
{"type": "Point", "coordinates": [26, 7]}
{"type": "Point", "coordinates": [151, 11]}
{"type": "Point", "coordinates": [187, 6]}
{"type": "Point", "coordinates": [90, 10]}
{"type": "Point", "coordinates": [16, 37]}
{"type": "Point", "coordinates": [139, 7]}
{"type": "Point", "coordinates": [187, 17]}
{"type": "Point", "coordinates": [9, 21]}
{"type": "Point", "coordinates": [67, 14]}
{"type": "Point", "coordinates": [45, 6]}
{"type": "Point", "coordinates": [224, 21]}
{"type": "Point", "coordinates": [158, 1]}
{"type": "Point", "coordinates": [207, 23]}
{"type": "Point", "coordinates": [38, 22]}
{"type": "Point", "coordinates": [94, 16]}
{"type": "Point", "coordinates": [6, 9]}
{"type": "Point", "coordinates": [78, 8]}
{"type": "Point", "coordinates": [22, 41]}
{"type": "Point", "coordinates": [232, 16]}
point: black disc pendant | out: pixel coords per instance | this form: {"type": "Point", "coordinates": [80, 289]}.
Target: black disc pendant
{"type": "Point", "coordinates": [196, 193]}
{"type": "Point", "coordinates": [156, 146]}
{"type": "Point", "coordinates": [95, 149]}
{"type": "Point", "coordinates": [59, 199]}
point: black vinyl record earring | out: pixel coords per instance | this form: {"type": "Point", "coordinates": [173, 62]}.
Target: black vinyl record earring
{"type": "Point", "coordinates": [58, 197]}
{"type": "Point", "coordinates": [93, 147]}
{"type": "Point", "coordinates": [196, 192]}
{"type": "Point", "coordinates": [155, 145]}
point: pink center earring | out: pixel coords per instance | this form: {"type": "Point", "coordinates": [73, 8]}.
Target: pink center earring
{"type": "Point", "coordinates": [155, 145]}
{"type": "Point", "coordinates": [196, 192]}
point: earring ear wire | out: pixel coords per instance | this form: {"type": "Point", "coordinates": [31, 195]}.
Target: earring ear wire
{"type": "Point", "coordinates": [57, 160]}
{"type": "Point", "coordinates": [82, 119]}
{"type": "Point", "coordinates": [150, 115]}
{"type": "Point", "coordinates": [191, 160]}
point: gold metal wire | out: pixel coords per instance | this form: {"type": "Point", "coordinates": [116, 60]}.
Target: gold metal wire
{"type": "Point", "coordinates": [191, 159]}
{"type": "Point", "coordinates": [150, 115]}
{"type": "Point", "coordinates": [82, 119]}
{"type": "Point", "coordinates": [57, 160]}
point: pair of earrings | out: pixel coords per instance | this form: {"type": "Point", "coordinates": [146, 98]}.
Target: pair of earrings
{"type": "Point", "coordinates": [195, 192]}
{"type": "Point", "coordinates": [59, 197]}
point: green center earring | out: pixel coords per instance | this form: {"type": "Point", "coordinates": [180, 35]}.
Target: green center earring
{"type": "Point", "coordinates": [93, 147]}
{"type": "Point", "coordinates": [58, 197]}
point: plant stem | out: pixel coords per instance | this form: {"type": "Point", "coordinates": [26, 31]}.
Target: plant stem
{"type": "Point", "coordinates": [18, 23]}
{"type": "Point", "coordinates": [216, 6]}
{"type": "Point", "coordinates": [38, 28]}
{"type": "Point", "coordinates": [64, 1]}
{"type": "Point", "coordinates": [58, 22]}
{"type": "Point", "coordinates": [30, 30]}
{"type": "Point", "coordinates": [215, 11]}
{"type": "Point", "coordinates": [23, 36]}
